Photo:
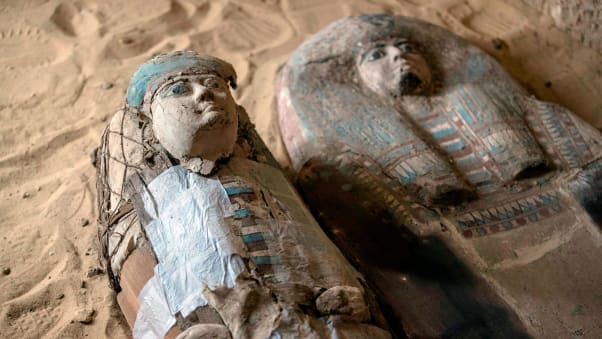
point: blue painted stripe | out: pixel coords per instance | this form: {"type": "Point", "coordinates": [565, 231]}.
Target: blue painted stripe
{"type": "Point", "coordinates": [385, 136]}
{"type": "Point", "coordinates": [253, 237]}
{"type": "Point", "coordinates": [549, 199]}
{"type": "Point", "coordinates": [341, 131]}
{"type": "Point", "coordinates": [455, 146]}
{"type": "Point", "coordinates": [443, 133]}
{"type": "Point", "coordinates": [469, 161]}
{"type": "Point", "coordinates": [238, 190]}
{"type": "Point", "coordinates": [470, 99]}
{"type": "Point", "coordinates": [241, 213]}
{"type": "Point", "coordinates": [406, 179]}
{"type": "Point", "coordinates": [266, 260]}
{"type": "Point", "coordinates": [467, 118]}
{"type": "Point", "coordinates": [434, 122]}
{"type": "Point", "coordinates": [494, 149]}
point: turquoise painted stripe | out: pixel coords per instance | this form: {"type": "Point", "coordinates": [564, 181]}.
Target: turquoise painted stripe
{"type": "Point", "coordinates": [238, 190]}
{"type": "Point", "coordinates": [408, 178]}
{"type": "Point", "coordinates": [253, 237]}
{"type": "Point", "coordinates": [266, 260]}
{"type": "Point", "coordinates": [468, 161]}
{"type": "Point", "coordinates": [470, 101]}
{"type": "Point", "coordinates": [341, 131]}
{"type": "Point", "coordinates": [241, 213]}
{"type": "Point", "coordinates": [549, 199]}
{"type": "Point", "coordinates": [385, 136]}
{"type": "Point", "coordinates": [467, 118]}
{"type": "Point", "coordinates": [506, 214]}
{"type": "Point", "coordinates": [443, 133]}
{"type": "Point", "coordinates": [465, 115]}
{"type": "Point", "coordinates": [376, 129]}
{"type": "Point", "coordinates": [456, 146]}
{"type": "Point", "coordinates": [495, 149]}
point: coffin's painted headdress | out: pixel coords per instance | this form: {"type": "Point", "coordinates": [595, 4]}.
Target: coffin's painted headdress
{"type": "Point", "coordinates": [153, 73]}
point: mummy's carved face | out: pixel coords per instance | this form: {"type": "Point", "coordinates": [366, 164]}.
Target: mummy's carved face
{"type": "Point", "coordinates": [195, 116]}
{"type": "Point", "coordinates": [393, 68]}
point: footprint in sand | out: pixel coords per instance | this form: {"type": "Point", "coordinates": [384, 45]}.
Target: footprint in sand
{"type": "Point", "coordinates": [310, 16]}
{"type": "Point", "coordinates": [249, 28]}
{"type": "Point", "coordinates": [16, 54]}
{"type": "Point", "coordinates": [27, 65]}
{"type": "Point", "coordinates": [13, 6]}
{"type": "Point", "coordinates": [38, 291]}
{"type": "Point", "coordinates": [493, 21]}
{"type": "Point", "coordinates": [34, 317]}
{"type": "Point", "coordinates": [75, 20]}
{"type": "Point", "coordinates": [34, 258]}
{"type": "Point", "coordinates": [145, 37]}
{"type": "Point", "coordinates": [45, 309]}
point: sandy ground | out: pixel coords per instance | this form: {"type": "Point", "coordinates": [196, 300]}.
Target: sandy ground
{"type": "Point", "coordinates": [65, 66]}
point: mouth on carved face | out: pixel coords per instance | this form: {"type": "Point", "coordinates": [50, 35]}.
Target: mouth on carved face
{"type": "Point", "coordinates": [409, 83]}
{"type": "Point", "coordinates": [213, 117]}
{"type": "Point", "coordinates": [207, 109]}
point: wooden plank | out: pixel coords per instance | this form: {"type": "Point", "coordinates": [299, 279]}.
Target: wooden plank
{"type": "Point", "coordinates": [136, 271]}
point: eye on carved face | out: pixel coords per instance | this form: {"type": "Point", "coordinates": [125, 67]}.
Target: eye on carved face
{"type": "Point", "coordinates": [406, 46]}
{"type": "Point", "coordinates": [374, 55]}
{"type": "Point", "coordinates": [212, 82]}
{"type": "Point", "coordinates": [393, 68]}
{"type": "Point", "coordinates": [179, 88]}
{"type": "Point", "coordinates": [380, 50]}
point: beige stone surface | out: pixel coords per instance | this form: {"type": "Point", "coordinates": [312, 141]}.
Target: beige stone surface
{"type": "Point", "coordinates": [65, 66]}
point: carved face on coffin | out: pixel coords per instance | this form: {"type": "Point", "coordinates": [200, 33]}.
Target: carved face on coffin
{"type": "Point", "coordinates": [393, 67]}
{"type": "Point", "coordinates": [195, 116]}
{"type": "Point", "coordinates": [187, 98]}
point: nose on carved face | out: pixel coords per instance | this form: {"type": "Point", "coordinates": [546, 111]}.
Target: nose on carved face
{"type": "Point", "coordinates": [204, 94]}
{"type": "Point", "coordinates": [394, 53]}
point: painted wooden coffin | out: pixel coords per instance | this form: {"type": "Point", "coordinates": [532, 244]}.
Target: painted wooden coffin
{"type": "Point", "coordinates": [231, 254]}
{"type": "Point", "coordinates": [471, 207]}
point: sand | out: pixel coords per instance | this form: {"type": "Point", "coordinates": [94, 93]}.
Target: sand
{"type": "Point", "coordinates": [65, 67]}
